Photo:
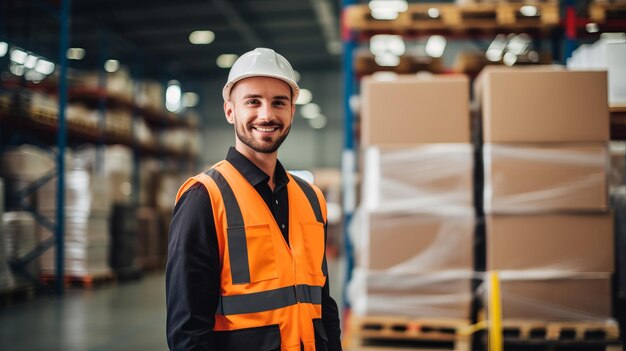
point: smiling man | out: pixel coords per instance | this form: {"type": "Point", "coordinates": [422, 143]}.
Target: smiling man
{"type": "Point", "coordinates": [246, 266]}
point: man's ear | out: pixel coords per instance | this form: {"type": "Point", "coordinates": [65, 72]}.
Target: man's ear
{"type": "Point", "coordinates": [229, 112]}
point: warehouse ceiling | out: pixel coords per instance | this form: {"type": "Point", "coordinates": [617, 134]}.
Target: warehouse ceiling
{"type": "Point", "coordinates": [151, 37]}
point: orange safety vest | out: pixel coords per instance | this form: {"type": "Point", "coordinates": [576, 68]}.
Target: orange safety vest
{"type": "Point", "coordinates": [271, 291]}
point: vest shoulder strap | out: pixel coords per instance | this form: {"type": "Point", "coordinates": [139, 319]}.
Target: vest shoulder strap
{"type": "Point", "coordinates": [311, 195]}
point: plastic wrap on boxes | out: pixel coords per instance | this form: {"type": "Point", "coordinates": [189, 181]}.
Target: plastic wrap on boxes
{"type": "Point", "coordinates": [85, 192]}
{"type": "Point", "coordinates": [617, 176]}
{"type": "Point", "coordinates": [524, 178]}
{"type": "Point", "coordinates": [411, 243]}
{"type": "Point", "coordinates": [553, 295]}
{"type": "Point", "coordinates": [618, 200]}
{"type": "Point", "coordinates": [427, 178]}
{"type": "Point", "coordinates": [20, 231]}
{"type": "Point", "coordinates": [438, 295]}
{"type": "Point", "coordinates": [86, 245]}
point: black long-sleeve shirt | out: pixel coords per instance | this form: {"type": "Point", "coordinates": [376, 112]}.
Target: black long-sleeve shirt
{"type": "Point", "coordinates": [193, 265]}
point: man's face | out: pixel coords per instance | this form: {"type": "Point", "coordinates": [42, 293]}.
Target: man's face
{"type": "Point", "coordinates": [261, 110]}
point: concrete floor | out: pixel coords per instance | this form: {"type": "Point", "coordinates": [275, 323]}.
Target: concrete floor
{"type": "Point", "coordinates": [128, 316]}
{"type": "Point", "coordinates": [121, 317]}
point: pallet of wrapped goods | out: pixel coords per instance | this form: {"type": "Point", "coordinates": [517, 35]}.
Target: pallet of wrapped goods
{"type": "Point", "coordinates": [412, 309]}
{"type": "Point", "coordinates": [20, 237]}
{"type": "Point", "coordinates": [148, 238]}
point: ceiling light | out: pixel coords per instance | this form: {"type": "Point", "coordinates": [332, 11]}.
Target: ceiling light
{"type": "Point", "coordinates": [31, 61]}
{"type": "Point", "coordinates": [387, 60]}
{"type": "Point", "coordinates": [111, 65]}
{"type": "Point", "coordinates": [435, 46]}
{"type": "Point", "coordinates": [528, 10]}
{"type": "Point", "coordinates": [18, 56]}
{"type": "Point", "coordinates": [190, 99]}
{"type": "Point", "coordinates": [75, 53]}
{"type": "Point", "coordinates": [382, 44]}
{"type": "Point", "coordinates": [226, 60]}
{"type": "Point", "coordinates": [496, 48]}
{"type": "Point", "coordinates": [16, 69]}
{"type": "Point", "coordinates": [397, 5]}
{"type": "Point", "coordinates": [201, 37]}
{"type": "Point", "coordinates": [310, 110]}
{"type": "Point", "coordinates": [173, 96]}
{"type": "Point", "coordinates": [4, 47]}
{"type": "Point", "coordinates": [592, 27]}
{"type": "Point", "coordinates": [304, 97]}
{"type": "Point", "coordinates": [318, 122]}
{"type": "Point", "coordinates": [433, 12]}
{"type": "Point", "coordinates": [509, 59]}
{"type": "Point", "coordinates": [387, 9]}
{"type": "Point", "coordinates": [44, 67]}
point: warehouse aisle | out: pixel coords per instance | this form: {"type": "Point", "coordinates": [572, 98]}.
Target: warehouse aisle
{"type": "Point", "coordinates": [128, 316]}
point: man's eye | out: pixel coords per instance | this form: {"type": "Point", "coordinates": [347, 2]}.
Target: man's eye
{"type": "Point", "coordinates": [252, 102]}
{"type": "Point", "coordinates": [279, 103]}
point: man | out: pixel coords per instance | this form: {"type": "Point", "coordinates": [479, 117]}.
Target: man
{"type": "Point", "coordinates": [246, 266]}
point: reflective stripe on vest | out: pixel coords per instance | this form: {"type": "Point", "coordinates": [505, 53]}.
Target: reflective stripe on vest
{"type": "Point", "coordinates": [269, 300]}
{"type": "Point", "coordinates": [236, 231]}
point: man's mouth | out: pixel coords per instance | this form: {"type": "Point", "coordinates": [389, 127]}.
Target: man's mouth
{"type": "Point", "coordinates": [265, 129]}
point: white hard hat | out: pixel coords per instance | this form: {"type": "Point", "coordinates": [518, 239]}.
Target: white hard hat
{"type": "Point", "coordinates": [261, 62]}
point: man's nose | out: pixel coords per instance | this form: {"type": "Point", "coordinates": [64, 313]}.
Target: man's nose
{"type": "Point", "coordinates": [266, 112]}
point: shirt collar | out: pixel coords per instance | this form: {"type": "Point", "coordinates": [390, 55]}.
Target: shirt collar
{"type": "Point", "coordinates": [253, 174]}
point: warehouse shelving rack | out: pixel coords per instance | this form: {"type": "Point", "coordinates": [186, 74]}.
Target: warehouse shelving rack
{"type": "Point", "coordinates": [22, 125]}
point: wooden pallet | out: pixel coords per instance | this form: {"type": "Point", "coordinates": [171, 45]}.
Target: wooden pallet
{"type": "Point", "coordinates": [560, 331]}
{"type": "Point", "coordinates": [82, 282]}
{"type": "Point", "coordinates": [454, 17]}
{"type": "Point", "coordinates": [390, 333]}
{"type": "Point", "coordinates": [600, 12]}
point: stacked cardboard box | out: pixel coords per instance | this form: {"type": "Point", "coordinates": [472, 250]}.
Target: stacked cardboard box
{"type": "Point", "coordinates": [549, 231]}
{"type": "Point", "coordinates": [416, 226]}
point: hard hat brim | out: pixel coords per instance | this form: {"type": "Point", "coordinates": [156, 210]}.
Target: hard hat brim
{"type": "Point", "coordinates": [295, 89]}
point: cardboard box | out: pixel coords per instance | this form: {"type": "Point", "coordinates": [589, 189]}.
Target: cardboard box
{"type": "Point", "coordinates": [542, 104]}
{"type": "Point", "coordinates": [418, 243]}
{"type": "Point", "coordinates": [410, 109]}
{"type": "Point", "coordinates": [523, 178]}
{"type": "Point", "coordinates": [551, 242]}
{"type": "Point", "coordinates": [418, 178]}
{"type": "Point", "coordinates": [438, 295]}
{"type": "Point", "coordinates": [566, 299]}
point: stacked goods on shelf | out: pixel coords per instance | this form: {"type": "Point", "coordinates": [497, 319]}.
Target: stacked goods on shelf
{"type": "Point", "coordinates": [6, 278]}
{"type": "Point", "coordinates": [148, 242]}
{"type": "Point", "coordinates": [118, 83]}
{"type": "Point", "coordinates": [549, 231]}
{"type": "Point", "coordinates": [150, 95]}
{"type": "Point", "coordinates": [19, 230]}
{"type": "Point", "coordinates": [87, 211]}
{"type": "Point", "coordinates": [21, 167]}
{"type": "Point", "coordinates": [414, 241]}
{"type": "Point", "coordinates": [609, 55]}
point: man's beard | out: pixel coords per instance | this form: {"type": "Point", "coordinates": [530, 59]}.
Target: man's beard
{"type": "Point", "coordinates": [266, 148]}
